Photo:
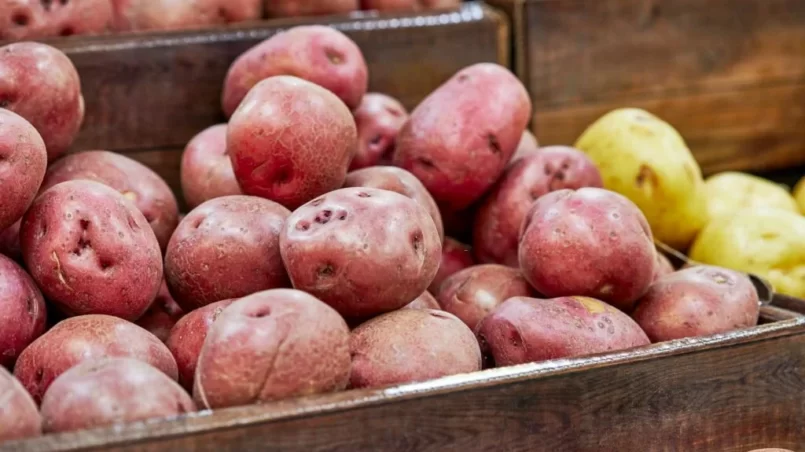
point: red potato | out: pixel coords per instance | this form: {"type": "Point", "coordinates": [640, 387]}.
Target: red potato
{"type": "Point", "coordinates": [528, 145]}
{"type": "Point", "coordinates": [300, 8]}
{"type": "Point", "coordinates": [91, 251]}
{"type": "Point", "coordinates": [227, 247]}
{"type": "Point", "coordinates": [457, 142]}
{"type": "Point", "coordinates": [187, 337]}
{"type": "Point", "coordinates": [474, 292]}
{"type": "Point", "coordinates": [363, 251]}
{"type": "Point", "coordinates": [662, 266]}
{"type": "Point", "coordinates": [22, 311]}
{"type": "Point", "coordinates": [84, 338]}
{"type": "Point", "coordinates": [111, 391]}
{"type": "Point", "coordinates": [22, 19]}
{"type": "Point", "coordinates": [379, 119]}
{"type": "Point", "coordinates": [10, 242]}
{"type": "Point", "coordinates": [497, 222]}
{"type": "Point", "coordinates": [411, 345]}
{"type": "Point", "coordinates": [456, 256]}
{"type": "Point", "coordinates": [423, 301]}
{"type": "Point", "coordinates": [272, 345]}
{"type": "Point", "coordinates": [162, 315]}
{"type": "Point", "coordinates": [135, 181]}
{"type": "Point", "coordinates": [22, 164]}
{"type": "Point", "coordinates": [400, 181]}
{"type": "Point", "coordinates": [19, 416]}
{"type": "Point", "coordinates": [697, 301]}
{"type": "Point", "coordinates": [39, 83]}
{"type": "Point", "coordinates": [523, 330]}
{"type": "Point", "coordinates": [206, 171]}
{"type": "Point", "coordinates": [316, 53]}
{"type": "Point", "coordinates": [138, 15]}
{"type": "Point", "coordinates": [290, 141]}
{"type": "Point", "coordinates": [589, 242]}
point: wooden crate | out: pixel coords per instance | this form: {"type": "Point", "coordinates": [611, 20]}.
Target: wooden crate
{"type": "Point", "coordinates": [728, 74]}
{"type": "Point", "coordinates": [146, 95]}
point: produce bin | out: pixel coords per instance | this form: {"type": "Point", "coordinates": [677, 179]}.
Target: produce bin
{"type": "Point", "coordinates": [728, 74]}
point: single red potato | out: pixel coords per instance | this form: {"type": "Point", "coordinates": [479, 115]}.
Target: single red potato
{"type": "Point", "coordinates": [475, 291]}
{"type": "Point", "coordinates": [319, 54]}
{"type": "Point", "coordinates": [662, 266]}
{"type": "Point", "coordinates": [22, 311]}
{"type": "Point", "coordinates": [22, 164]}
{"type": "Point", "coordinates": [272, 345]}
{"type": "Point", "coordinates": [83, 338]}
{"type": "Point", "coordinates": [528, 145]}
{"type": "Point", "coordinates": [111, 391]}
{"type": "Point", "coordinates": [457, 142]}
{"type": "Point", "coordinates": [296, 8]}
{"type": "Point", "coordinates": [497, 222]}
{"type": "Point", "coordinates": [363, 251]}
{"type": "Point", "coordinates": [411, 345]}
{"type": "Point", "coordinates": [227, 247]}
{"type": "Point", "coordinates": [456, 256]}
{"type": "Point", "coordinates": [379, 119]}
{"type": "Point", "coordinates": [697, 301]}
{"type": "Point", "coordinates": [206, 171]}
{"type": "Point", "coordinates": [423, 301]}
{"type": "Point", "coordinates": [135, 181]}
{"type": "Point", "coordinates": [137, 15]}
{"type": "Point", "coordinates": [397, 180]}
{"type": "Point", "coordinates": [19, 416]}
{"type": "Point", "coordinates": [162, 315]}
{"type": "Point", "coordinates": [187, 337]}
{"type": "Point", "coordinates": [290, 141]}
{"type": "Point", "coordinates": [589, 242]}
{"type": "Point", "coordinates": [10, 241]}
{"type": "Point", "coordinates": [523, 330]}
{"type": "Point", "coordinates": [91, 251]}
{"type": "Point", "coordinates": [39, 83]}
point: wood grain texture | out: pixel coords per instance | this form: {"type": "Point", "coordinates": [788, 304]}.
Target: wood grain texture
{"type": "Point", "coordinates": [158, 90]}
{"type": "Point", "coordinates": [728, 393]}
{"type": "Point", "coordinates": [728, 74]}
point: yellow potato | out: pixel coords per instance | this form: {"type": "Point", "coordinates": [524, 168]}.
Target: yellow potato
{"type": "Point", "coordinates": [643, 158]}
{"type": "Point", "coordinates": [729, 192]}
{"type": "Point", "coordinates": [799, 195]}
{"type": "Point", "coordinates": [765, 241]}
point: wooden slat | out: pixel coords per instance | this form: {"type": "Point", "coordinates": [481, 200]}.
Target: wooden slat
{"type": "Point", "coordinates": [729, 393]}
{"type": "Point", "coordinates": [158, 90]}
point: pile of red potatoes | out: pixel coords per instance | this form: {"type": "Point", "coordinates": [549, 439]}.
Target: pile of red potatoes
{"type": "Point", "coordinates": [29, 19]}
{"type": "Point", "coordinates": [323, 250]}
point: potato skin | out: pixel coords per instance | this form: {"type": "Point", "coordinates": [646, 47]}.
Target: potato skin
{"type": "Point", "coordinates": [523, 330]}
{"type": "Point", "coordinates": [135, 181]}
{"type": "Point", "coordinates": [138, 15]}
{"type": "Point", "coordinates": [456, 142]}
{"type": "Point", "coordinates": [297, 8]}
{"type": "Point", "coordinates": [319, 54]}
{"type": "Point", "coordinates": [78, 17]}
{"type": "Point", "coordinates": [187, 337]}
{"type": "Point", "coordinates": [83, 338]}
{"type": "Point", "coordinates": [206, 170]}
{"type": "Point", "coordinates": [697, 301]}
{"type": "Point", "coordinates": [361, 250]}
{"type": "Point", "coordinates": [290, 141]}
{"type": "Point", "coordinates": [22, 19]}
{"type": "Point", "coordinates": [475, 291]}
{"type": "Point", "coordinates": [423, 301]}
{"type": "Point", "coordinates": [272, 345]}
{"type": "Point", "coordinates": [456, 256]}
{"type": "Point", "coordinates": [91, 250]}
{"type": "Point", "coordinates": [22, 311]}
{"type": "Point", "coordinates": [397, 180]}
{"type": "Point", "coordinates": [498, 219]}
{"type": "Point", "coordinates": [39, 83]}
{"type": "Point", "coordinates": [162, 315]}
{"type": "Point", "coordinates": [19, 416]}
{"type": "Point", "coordinates": [730, 191]}
{"type": "Point", "coordinates": [662, 266]}
{"type": "Point", "coordinates": [111, 391]}
{"type": "Point", "coordinates": [379, 119]}
{"type": "Point", "coordinates": [227, 247]}
{"type": "Point", "coordinates": [24, 158]}
{"type": "Point", "coordinates": [589, 242]}
{"type": "Point", "coordinates": [411, 345]}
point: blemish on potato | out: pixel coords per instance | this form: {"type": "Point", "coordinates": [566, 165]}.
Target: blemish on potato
{"type": "Point", "coordinates": [363, 194]}
{"type": "Point", "coordinates": [647, 179]}
{"type": "Point", "coordinates": [326, 270]}
{"type": "Point", "coordinates": [324, 216]}
{"type": "Point", "coordinates": [20, 19]}
{"type": "Point", "coordinates": [592, 305]}
{"type": "Point", "coordinates": [494, 145]}
{"type": "Point", "coordinates": [334, 56]}
{"type": "Point", "coordinates": [302, 226]}
{"type": "Point", "coordinates": [317, 201]}
{"type": "Point", "coordinates": [130, 195]}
